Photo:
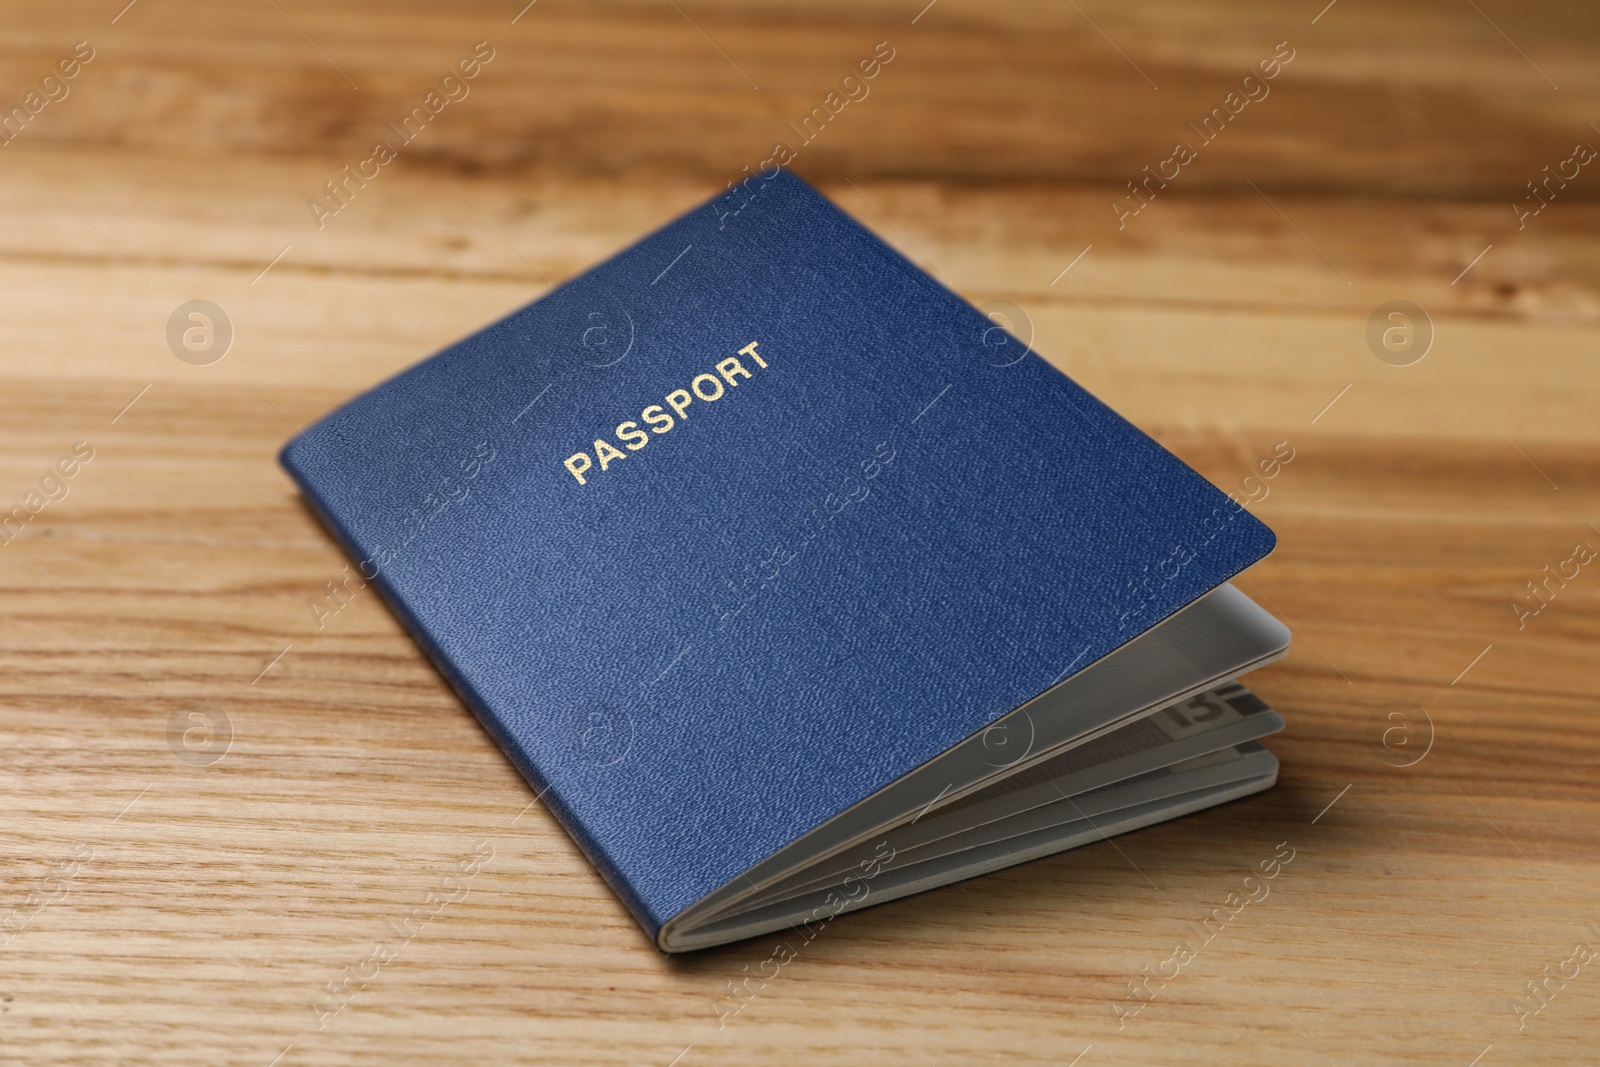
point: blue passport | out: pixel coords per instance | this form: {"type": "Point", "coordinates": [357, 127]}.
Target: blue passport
{"type": "Point", "coordinates": [792, 583]}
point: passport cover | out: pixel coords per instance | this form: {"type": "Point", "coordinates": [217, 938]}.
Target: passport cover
{"type": "Point", "coordinates": [733, 530]}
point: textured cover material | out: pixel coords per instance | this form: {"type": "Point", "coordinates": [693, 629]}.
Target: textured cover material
{"type": "Point", "coordinates": [876, 532]}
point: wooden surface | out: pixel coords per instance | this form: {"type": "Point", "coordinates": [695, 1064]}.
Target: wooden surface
{"type": "Point", "coordinates": [191, 905]}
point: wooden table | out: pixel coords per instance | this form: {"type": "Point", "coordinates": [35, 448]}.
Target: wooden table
{"type": "Point", "coordinates": [213, 809]}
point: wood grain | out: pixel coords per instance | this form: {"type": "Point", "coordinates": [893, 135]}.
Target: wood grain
{"type": "Point", "coordinates": [176, 911]}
